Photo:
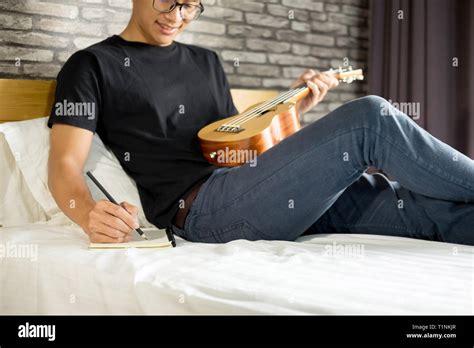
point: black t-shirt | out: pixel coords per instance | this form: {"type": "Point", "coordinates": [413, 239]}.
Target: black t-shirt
{"type": "Point", "coordinates": [147, 103]}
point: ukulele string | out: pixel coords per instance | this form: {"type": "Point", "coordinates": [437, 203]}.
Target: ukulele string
{"type": "Point", "coordinates": [260, 108]}
{"type": "Point", "coordinates": [282, 98]}
{"type": "Point", "coordinates": [270, 104]}
{"type": "Point", "coordinates": [264, 108]}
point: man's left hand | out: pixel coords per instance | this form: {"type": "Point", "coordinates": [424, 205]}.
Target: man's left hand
{"type": "Point", "coordinates": [319, 85]}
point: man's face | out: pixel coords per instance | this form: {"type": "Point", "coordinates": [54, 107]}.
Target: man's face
{"type": "Point", "coordinates": [159, 28]}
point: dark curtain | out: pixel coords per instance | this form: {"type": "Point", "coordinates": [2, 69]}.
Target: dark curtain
{"type": "Point", "coordinates": [414, 60]}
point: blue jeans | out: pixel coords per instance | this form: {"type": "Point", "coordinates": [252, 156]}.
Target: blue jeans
{"type": "Point", "coordinates": [315, 182]}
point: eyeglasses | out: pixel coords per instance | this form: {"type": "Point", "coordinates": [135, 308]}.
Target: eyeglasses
{"type": "Point", "coordinates": [188, 12]}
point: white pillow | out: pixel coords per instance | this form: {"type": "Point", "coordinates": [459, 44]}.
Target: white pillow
{"type": "Point", "coordinates": [17, 205]}
{"type": "Point", "coordinates": [29, 140]}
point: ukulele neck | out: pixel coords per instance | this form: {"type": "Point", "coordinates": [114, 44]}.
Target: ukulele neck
{"type": "Point", "coordinates": [342, 75]}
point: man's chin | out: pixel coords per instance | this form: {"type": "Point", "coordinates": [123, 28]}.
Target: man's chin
{"type": "Point", "coordinates": [163, 40]}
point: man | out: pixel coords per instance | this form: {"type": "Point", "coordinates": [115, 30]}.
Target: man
{"type": "Point", "coordinates": [151, 95]}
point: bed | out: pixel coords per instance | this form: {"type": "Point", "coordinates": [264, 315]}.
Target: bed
{"type": "Point", "coordinates": [47, 268]}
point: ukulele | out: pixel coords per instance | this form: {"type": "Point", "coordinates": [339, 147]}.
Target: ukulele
{"type": "Point", "coordinates": [238, 139]}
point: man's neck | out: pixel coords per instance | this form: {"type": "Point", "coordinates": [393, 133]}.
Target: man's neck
{"type": "Point", "coordinates": [133, 33]}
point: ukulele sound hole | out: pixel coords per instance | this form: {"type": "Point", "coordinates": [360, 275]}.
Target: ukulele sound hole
{"type": "Point", "coordinates": [267, 111]}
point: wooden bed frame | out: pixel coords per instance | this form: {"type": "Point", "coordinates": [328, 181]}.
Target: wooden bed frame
{"type": "Point", "coordinates": [28, 99]}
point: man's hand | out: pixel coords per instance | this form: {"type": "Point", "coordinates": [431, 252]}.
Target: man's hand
{"type": "Point", "coordinates": [111, 223]}
{"type": "Point", "coordinates": [319, 85]}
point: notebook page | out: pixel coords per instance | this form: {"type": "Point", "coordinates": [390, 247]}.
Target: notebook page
{"type": "Point", "coordinates": [157, 239]}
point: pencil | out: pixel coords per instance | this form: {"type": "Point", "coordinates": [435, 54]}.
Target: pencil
{"type": "Point", "coordinates": [110, 198]}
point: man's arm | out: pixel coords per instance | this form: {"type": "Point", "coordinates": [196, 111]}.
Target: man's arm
{"type": "Point", "coordinates": [103, 221]}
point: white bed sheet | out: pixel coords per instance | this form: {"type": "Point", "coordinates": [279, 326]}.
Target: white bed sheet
{"type": "Point", "coordinates": [392, 276]}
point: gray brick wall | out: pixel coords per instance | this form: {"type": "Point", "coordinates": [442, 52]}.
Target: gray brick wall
{"type": "Point", "coordinates": [262, 44]}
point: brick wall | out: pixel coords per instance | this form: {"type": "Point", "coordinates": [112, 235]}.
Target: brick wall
{"type": "Point", "coordinates": [263, 44]}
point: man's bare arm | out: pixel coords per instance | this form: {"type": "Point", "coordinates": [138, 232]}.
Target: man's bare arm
{"type": "Point", "coordinates": [103, 221]}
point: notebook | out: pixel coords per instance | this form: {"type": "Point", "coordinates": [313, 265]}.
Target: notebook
{"type": "Point", "coordinates": [157, 240]}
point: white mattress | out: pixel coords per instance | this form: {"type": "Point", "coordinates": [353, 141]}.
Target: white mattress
{"type": "Point", "coordinates": [391, 276]}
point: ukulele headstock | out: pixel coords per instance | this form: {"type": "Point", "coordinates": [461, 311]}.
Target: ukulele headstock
{"type": "Point", "coordinates": [347, 75]}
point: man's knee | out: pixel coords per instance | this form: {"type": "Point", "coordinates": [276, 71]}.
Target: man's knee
{"type": "Point", "coordinates": [374, 109]}
{"type": "Point", "coordinates": [370, 104]}
{"type": "Point", "coordinates": [373, 105]}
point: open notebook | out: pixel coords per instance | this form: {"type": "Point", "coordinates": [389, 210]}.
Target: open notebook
{"type": "Point", "coordinates": [157, 239]}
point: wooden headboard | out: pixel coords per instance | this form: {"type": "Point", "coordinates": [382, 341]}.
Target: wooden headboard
{"type": "Point", "coordinates": [27, 99]}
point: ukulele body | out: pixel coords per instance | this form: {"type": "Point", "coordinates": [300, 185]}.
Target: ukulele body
{"type": "Point", "coordinates": [257, 135]}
